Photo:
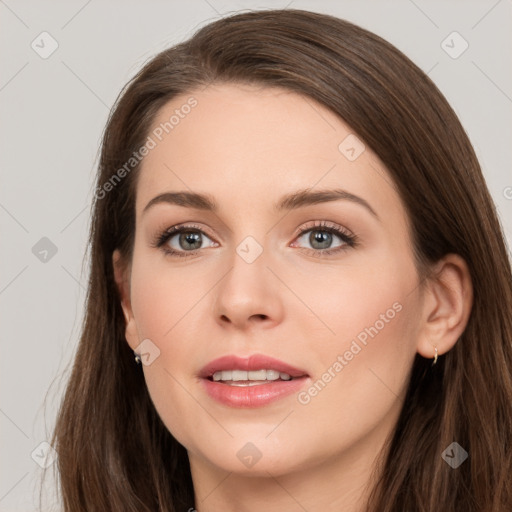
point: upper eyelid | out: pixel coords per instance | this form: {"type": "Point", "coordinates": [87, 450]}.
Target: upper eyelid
{"type": "Point", "coordinates": [324, 225]}
{"type": "Point", "coordinates": [184, 227]}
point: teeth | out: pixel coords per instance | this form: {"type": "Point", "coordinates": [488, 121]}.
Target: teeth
{"type": "Point", "coordinates": [257, 375]}
{"type": "Point", "coordinates": [272, 375]}
{"type": "Point", "coordinates": [236, 375]}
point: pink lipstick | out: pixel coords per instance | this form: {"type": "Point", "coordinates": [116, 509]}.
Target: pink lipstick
{"type": "Point", "coordinates": [254, 381]}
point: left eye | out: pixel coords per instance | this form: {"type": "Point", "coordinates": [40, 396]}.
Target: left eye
{"type": "Point", "coordinates": [321, 239]}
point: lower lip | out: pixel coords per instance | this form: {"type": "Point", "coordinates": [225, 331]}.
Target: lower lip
{"type": "Point", "coordinates": [253, 396]}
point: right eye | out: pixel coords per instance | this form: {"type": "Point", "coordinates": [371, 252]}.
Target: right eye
{"type": "Point", "coordinates": [182, 240]}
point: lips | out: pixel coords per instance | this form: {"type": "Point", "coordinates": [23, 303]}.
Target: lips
{"type": "Point", "coordinates": [252, 363]}
{"type": "Point", "coordinates": [251, 394]}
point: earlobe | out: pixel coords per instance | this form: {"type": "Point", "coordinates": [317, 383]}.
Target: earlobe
{"type": "Point", "coordinates": [123, 286]}
{"type": "Point", "coordinates": [446, 306]}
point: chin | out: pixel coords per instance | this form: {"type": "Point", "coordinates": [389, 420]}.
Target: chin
{"type": "Point", "coordinates": [256, 459]}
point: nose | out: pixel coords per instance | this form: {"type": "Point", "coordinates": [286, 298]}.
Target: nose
{"type": "Point", "coordinates": [248, 296]}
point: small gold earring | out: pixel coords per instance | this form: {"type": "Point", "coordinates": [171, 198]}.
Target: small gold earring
{"type": "Point", "coordinates": [435, 357]}
{"type": "Point", "coordinates": [138, 360]}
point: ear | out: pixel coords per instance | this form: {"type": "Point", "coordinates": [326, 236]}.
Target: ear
{"type": "Point", "coordinates": [446, 307]}
{"type": "Point", "coordinates": [122, 278]}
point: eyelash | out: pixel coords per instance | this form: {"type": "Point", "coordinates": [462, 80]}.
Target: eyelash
{"type": "Point", "coordinates": [349, 240]}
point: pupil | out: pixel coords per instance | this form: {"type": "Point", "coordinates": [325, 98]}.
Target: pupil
{"type": "Point", "coordinates": [192, 238]}
{"type": "Point", "coordinates": [322, 237]}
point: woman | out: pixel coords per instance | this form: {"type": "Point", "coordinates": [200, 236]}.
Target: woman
{"type": "Point", "coordinates": [300, 296]}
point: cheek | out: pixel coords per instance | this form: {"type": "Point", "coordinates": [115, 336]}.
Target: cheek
{"type": "Point", "coordinates": [169, 311]}
{"type": "Point", "coordinates": [362, 364]}
{"type": "Point", "coordinates": [363, 299]}
{"type": "Point", "coordinates": [163, 296]}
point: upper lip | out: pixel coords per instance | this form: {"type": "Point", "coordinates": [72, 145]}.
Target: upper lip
{"type": "Point", "coordinates": [253, 362]}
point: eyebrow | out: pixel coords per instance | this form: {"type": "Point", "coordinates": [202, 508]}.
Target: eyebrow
{"type": "Point", "coordinates": [295, 200]}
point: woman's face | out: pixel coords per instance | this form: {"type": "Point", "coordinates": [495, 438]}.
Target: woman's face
{"type": "Point", "coordinates": [342, 308]}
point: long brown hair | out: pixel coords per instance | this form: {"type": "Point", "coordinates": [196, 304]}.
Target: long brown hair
{"type": "Point", "coordinates": [114, 452]}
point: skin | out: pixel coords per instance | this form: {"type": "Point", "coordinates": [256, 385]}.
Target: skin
{"type": "Point", "coordinates": [289, 303]}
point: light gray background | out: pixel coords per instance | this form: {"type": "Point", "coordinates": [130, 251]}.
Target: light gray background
{"type": "Point", "coordinates": [52, 115]}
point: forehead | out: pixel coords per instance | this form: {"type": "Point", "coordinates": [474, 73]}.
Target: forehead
{"type": "Point", "coordinates": [251, 145]}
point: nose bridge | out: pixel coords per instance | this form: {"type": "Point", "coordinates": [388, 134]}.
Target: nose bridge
{"type": "Point", "coordinates": [248, 275]}
{"type": "Point", "coordinates": [247, 289]}
{"type": "Point", "coordinates": [250, 249]}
